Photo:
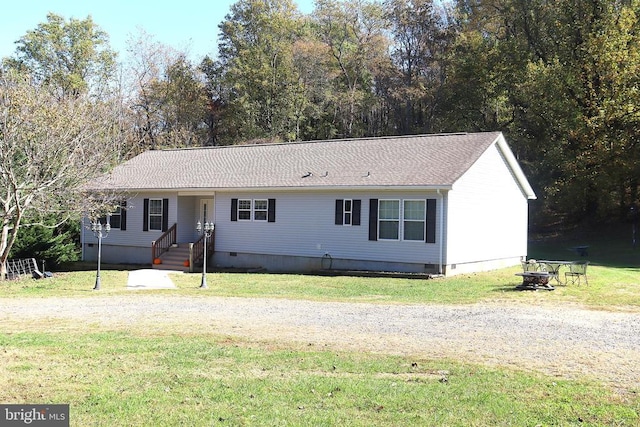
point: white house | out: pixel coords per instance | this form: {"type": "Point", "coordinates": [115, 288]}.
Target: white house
{"type": "Point", "coordinates": [442, 204]}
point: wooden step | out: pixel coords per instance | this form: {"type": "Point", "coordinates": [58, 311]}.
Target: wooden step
{"type": "Point", "coordinates": [174, 259]}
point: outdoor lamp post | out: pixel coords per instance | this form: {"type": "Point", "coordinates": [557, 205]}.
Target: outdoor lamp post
{"type": "Point", "coordinates": [101, 232]}
{"type": "Point", "coordinates": [207, 229]}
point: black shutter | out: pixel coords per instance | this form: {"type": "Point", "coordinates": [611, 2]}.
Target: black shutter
{"type": "Point", "coordinates": [355, 217]}
{"type": "Point", "coordinates": [373, 219]}
{"type": "Point", "coordinates": [234, 209]}
{"type": "Point", "coordinates": [271, 210]}
{"type": "Point", "coordinates": [145, 215]}
{"type": "Point", "coordinates": [339, 211]}
{"type": "Point", "coordinates": [165, 214]}
{"type": "Point", "coordinates": [123, 216]}
{"type": "Point", "coordinates": [431, 221]}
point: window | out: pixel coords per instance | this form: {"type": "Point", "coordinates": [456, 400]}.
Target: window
{"type": "Point", "coordinates": [389, 219]}
{"type": "Point", "coordinates": [115, 219]}
{"type": "Point", "coordinates": [414, 219]}
{"type": "Point", "coordinates": [260, 210]}
{"type": "Point", "coordinates": [253, 210]}
{"type": "Point", "coordinates": [155, 214]}
{"type": "Point", "coordinates": [348, 212]}
{"type": "Point", "coordinates": [244, 210]}
{"type": "Point", "coordinates": [418, 220]}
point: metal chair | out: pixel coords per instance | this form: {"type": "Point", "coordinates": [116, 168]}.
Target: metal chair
{"type": "Point", "coordinates": [577, 270]}
{"type": "Point", "coordinates": [530, 265]}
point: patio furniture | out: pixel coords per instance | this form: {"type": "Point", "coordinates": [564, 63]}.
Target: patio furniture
{"type": "Point", "coordinates": [534, 280]}
{"type": "Point", "coordinates": [553, 268]}
{"type": "Point", "coordinates": [530, 265]}
{"type": "Point", "coordinates": [577, 270]}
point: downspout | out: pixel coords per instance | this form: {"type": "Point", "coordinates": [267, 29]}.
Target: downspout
{"type": "Point", "coordinates": [440, 267]}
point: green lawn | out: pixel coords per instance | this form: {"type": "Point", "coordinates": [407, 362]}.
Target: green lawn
{"type": "Point", "coordinates": [610, 288]}
{"type": "Point", "coordinates": [117, 378]}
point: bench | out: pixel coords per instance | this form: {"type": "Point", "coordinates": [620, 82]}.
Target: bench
{"type": "Point", "coordinates": [533, 280]}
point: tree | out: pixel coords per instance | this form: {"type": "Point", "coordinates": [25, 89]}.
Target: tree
{"type": "Point", "coordinates": [264, 97]}
{"type": "Point", "coordinates": [354, 34]}
{"type": "Point", "coordinates": [422, 41]}
{"type": "Point", "coordinates": [50, 146]}
{"type": "Point", "coordinates": [73, 56]}
{"type": "Point", "coordinates": [578, 100]}
{"type": "Point", "coordinates": [183, 98]}
{"type": "Point", "coordinates": [169, 98]}
{"type": "Point", "coordinates": [215, 90]}
{"type": "Point", "coordinates": [51, 243]}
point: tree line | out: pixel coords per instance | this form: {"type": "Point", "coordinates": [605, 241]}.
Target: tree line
{"type": "Point", "coordinates": [558, 77]}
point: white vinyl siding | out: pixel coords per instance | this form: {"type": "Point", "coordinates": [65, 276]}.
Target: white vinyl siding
{"type": "Point", "coordinates": [134, 236]}
{"type": "Point", "coordinates": [187, 207]}
{"type": "Point", "coordinates": [487, 213]}
{"type": "Point", "coordinates": [305, 226]}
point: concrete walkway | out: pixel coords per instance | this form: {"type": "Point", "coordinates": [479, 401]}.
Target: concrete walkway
{"type": "Point", "coordinates": [150, 279]}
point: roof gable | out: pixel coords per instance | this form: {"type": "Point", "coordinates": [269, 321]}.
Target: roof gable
{"type": "Point", "coordinates": [421, 161]}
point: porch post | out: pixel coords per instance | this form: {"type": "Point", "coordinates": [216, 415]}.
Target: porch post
{"type": "Point", "coordinates": [190, 257]}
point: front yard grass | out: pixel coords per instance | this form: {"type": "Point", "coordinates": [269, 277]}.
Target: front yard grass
{"type": "Point", "coordinates": [119, 378]}
{"type": "Point", "coordinates": [610, 288]}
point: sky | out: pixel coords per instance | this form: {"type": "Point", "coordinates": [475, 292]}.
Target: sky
{"type": "Point", "coordinates": [186, 25]}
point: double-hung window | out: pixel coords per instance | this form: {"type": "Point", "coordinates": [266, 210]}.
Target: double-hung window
{"type": "Point", "coordinates": [244, 210]}
{"type": "Point", "coordinates": [389, 220]}
{"type": "Point", "coordinates": [118, 218]}
{"type": "Point", "coordinates": [414, 219]}
{"type": "Point", "coordinates": [347, 212]}
{"type": "Point", "coordinates": [412, 225]}
{"type": "Point", "coordinates": [260, 208]}
{"type": "Point", "coordinates": [115, 218]}
{"type": "Point", "coordinates": [255, 210]}
{"type": "Point", "coordinates": [155, 214]}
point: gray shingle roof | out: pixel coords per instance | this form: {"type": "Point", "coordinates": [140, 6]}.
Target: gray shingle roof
{"type": "Point", "coordinates": [422, 160]}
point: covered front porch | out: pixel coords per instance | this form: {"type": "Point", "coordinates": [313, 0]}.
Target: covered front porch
{"type": "Point", "coordinates": [182, 246]}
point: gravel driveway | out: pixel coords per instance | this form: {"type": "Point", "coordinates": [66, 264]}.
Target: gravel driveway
{"type": "Point", "coordinates": [567, 342]}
